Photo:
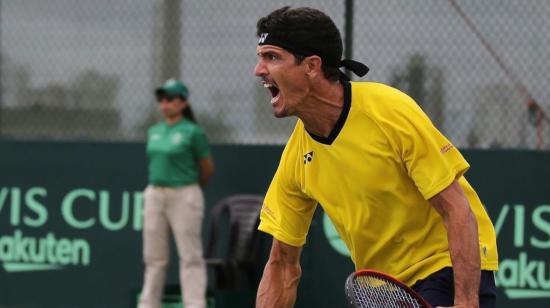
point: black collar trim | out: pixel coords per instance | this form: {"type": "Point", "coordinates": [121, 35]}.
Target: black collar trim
{"type": "Point", "coordinates": [341, 120]}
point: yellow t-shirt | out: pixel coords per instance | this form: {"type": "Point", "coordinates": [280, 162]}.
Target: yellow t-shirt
{"type": "Point", "coordinates": [373, 176]}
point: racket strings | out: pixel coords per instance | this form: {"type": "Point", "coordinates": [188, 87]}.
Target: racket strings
{"type": "Point", "coordinates": [373, 292]}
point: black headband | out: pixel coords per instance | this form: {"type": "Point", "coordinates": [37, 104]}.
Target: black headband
{"type": "Point", "coordinates": [302, 49]}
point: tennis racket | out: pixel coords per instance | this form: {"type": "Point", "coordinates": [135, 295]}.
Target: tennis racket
{"type": "Point", "coordinates": [372, 289]}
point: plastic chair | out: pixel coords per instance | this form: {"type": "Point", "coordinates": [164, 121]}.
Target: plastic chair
{"type": "Point", "coordinates": [234, 241]}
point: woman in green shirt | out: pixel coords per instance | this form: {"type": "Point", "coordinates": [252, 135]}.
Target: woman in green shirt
{"type": "Point", "coordinates": [179, 165]}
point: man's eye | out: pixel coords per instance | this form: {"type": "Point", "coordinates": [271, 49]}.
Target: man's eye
{"type": "Point", "coordinates": [272, 57]}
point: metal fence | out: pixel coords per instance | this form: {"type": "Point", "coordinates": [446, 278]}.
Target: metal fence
{"type": "Point", "coordinates": [85, 70]}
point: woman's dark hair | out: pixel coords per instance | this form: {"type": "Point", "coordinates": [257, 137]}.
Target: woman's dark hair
{"type": "Point", "coordinates": [188, 113]}
{"type": "Point", "coordinates": [309, 28]}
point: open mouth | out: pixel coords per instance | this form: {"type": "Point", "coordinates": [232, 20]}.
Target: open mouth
{"type": "Point", "coordinates": [275, 93]}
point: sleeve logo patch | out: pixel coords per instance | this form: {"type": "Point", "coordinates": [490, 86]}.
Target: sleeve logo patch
{"type": "Point", "coordinates": [267, 210]}
{"type": "Point", "coordinates": [446, 148]}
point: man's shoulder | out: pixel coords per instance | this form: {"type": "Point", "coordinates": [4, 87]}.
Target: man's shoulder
{"type": "Point", "coordinates": [387, 106]}
{"type": "Point", "coordinates": [377, 91]}
{"type": "Point", "coordinates": [377, 99]}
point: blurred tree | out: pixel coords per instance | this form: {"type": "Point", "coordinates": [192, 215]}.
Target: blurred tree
{"type": "Point", "coordinates": [84, 107]}
{"type": "Point", "coordinates": [93, 90]}
{"type": "Point", "coordinates": [424, 83]}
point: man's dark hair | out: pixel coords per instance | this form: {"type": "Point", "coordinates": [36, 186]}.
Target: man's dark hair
{"type": "Point", "coordinates": [309, 29]}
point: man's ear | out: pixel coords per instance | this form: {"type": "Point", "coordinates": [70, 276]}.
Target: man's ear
{"type": "Point", "coordinates": [313, 66]}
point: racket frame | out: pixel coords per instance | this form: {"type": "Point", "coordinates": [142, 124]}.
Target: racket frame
{"type": "Point", "coordinates": [383, 276]}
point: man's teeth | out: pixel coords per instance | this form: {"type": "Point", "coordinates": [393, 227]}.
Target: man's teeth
{"type": "Point", "coordinates": [275, 99]}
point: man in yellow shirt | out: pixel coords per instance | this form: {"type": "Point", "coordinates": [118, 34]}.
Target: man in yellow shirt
{"type": "Point", "coordinates": [391, 183]}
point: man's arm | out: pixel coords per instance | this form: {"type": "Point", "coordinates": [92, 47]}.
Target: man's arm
{"type": "Point", "coordinates": [453, 206]}
{"type": "Point", "coordinates": [282, 273]}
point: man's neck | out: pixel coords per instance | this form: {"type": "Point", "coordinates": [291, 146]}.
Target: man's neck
{"type": "Point", "coordinates": [322, 109]}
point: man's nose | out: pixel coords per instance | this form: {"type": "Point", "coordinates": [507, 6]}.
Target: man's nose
{"type": "Point", "coordinates": [260, 69]}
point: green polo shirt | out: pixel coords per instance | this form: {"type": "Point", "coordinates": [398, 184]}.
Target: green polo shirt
{"type": "Point", "coordinates": [174, 152]}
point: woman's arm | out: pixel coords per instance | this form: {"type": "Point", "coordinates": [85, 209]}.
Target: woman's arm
{"type": "Point", "coordinates": [206, 167]}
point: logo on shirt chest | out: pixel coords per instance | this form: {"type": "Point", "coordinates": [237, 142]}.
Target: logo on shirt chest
{"type": "Point", "coordinates": [308, 157]}
{"type": "Point", "coordinates": [177, 138]}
